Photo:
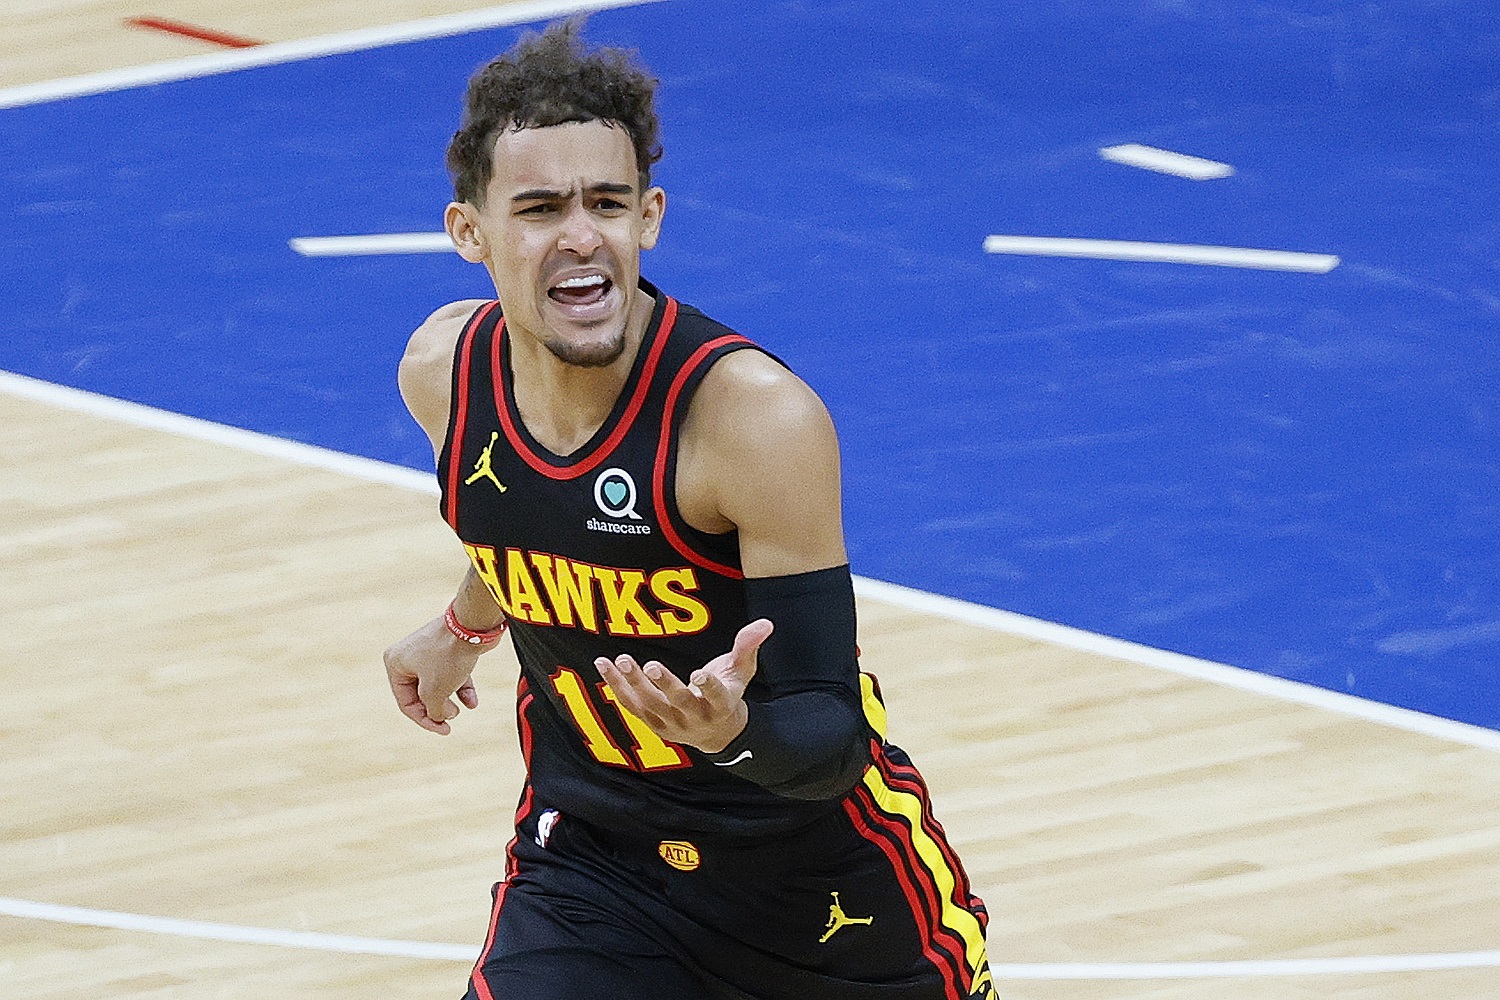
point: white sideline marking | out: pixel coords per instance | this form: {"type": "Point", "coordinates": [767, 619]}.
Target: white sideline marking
{"type": "Point", "coordinates": [1167, 253]}
{"type": "Point", "coordinates": [367, 469]}
{"type": "Point", "coordinates": [1054, 971]}
{"type": "Point", "coordinates": [1164, 161]}
{"type": "Point", "coordinates": [343, 944]}
{"type": "Point", "coordinates": [1178, 663]}
{"type": "Point", "coordinates": [306, 48]}
{"type": "Point", "coordinates": [1248, 968]}
{"type": "Point", "coordinates": [1009, 622]}
{"type": "Point", "coordinates": [127, 412]}
{"type": "Point", "coordinates": [359, 246]}
{"type": "Point", "coordinates": [993, 618]}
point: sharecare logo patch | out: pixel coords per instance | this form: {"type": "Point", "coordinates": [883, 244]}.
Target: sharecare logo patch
{"type": "Point", "coordinates": [614, 493]}
{"type": "Point", "coordinates": [545, 589]}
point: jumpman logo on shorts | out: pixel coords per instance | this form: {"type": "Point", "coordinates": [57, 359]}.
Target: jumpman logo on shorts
{"type": "Point", "coordinates": [838, 919]}
{"type": "Point", "coordinates": [482, 466]}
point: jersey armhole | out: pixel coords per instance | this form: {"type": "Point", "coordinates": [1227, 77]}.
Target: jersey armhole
{"type": "Point", "coordinates": [449, 460]}
{"type": "Point", "coordinates": [716, 553]}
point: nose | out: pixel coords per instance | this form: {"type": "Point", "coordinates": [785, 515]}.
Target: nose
{"type": "Point", "coordinates": [579, 235]}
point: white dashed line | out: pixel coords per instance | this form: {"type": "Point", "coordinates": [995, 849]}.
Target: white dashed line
{"type": "Point", "coordinates": [1169, 253]}
{"type": "Point", "coordinates": [378, 243]}
{"type": "Point", "coordinates": [1164, 161]}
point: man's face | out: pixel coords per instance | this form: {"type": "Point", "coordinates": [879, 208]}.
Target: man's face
{"type": "Point", "coordinates": [562, 228]}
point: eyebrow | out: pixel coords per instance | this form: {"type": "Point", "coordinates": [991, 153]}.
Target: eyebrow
{"type": "Point", "coordinates": [548, 194]}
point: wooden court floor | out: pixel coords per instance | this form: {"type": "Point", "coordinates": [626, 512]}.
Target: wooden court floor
{"type": "Point", "coordinates": [195, 724]}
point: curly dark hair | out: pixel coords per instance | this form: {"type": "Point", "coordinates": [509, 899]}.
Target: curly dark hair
{"type": "Point", "coordinates": [549, 79]}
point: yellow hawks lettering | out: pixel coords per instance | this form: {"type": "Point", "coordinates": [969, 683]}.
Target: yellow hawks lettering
{"type": "Point", "coordinates": [544, 589]}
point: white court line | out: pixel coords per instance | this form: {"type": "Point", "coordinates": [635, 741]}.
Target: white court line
{"type": "Point", "coordinates": [1008, 622]}
{"type": "Point", "coordinates": [206, 430]}
{"type": "Point", "coordinates": [370, 470]}
{"type": "Point", "coordinates": [1166, 253]}
{"type": "Point", "coordinates": [306, 48]}
{"type": "Point", "coordinates": [1178, 663]}
{"type": "Point", "coordinates": [1276, 260]}
{"type": "Point", "coordinates": [79, 916]}
{"type": "Point", "coordinates": [1051, 971]}
{"type": "Point", "coordinates": [1002, 621]}
{"type": "Point", "coordinates": [1164, 161]}
{"type": "Point", "coordinates": [376, 243]}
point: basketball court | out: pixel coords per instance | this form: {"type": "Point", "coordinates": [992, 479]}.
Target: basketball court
{"type": "Point", "coordinates": [1180, 577]}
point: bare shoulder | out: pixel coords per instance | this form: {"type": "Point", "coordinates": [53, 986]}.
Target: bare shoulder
{"type": "Point", "coordinates": [759, 454]}
{"type": "Point", "coordinates": [749, 398]}
{"type": "Point", "coordinates": [425, 374]}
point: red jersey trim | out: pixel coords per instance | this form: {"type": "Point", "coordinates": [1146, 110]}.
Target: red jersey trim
{"type": "Point", "coordinates": [866, 818]}
{"type": "Point", "coordinates": [599, 454]}
{"type": "Point", "coordinates": [461, 412]}
{"type": "Point", "coordinates": [476, 978]}
{"type": "Point", "coordinates": [659, 472]}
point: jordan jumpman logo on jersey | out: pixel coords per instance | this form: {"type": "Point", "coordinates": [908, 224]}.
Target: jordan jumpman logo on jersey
{"type": "Point", "coordinates": [838, 919]}
{"type": "Point", "coordinates": [483, 469]}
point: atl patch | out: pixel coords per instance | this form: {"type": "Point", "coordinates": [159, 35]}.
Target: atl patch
{"type": "Point", "coordinates": [679, 854]}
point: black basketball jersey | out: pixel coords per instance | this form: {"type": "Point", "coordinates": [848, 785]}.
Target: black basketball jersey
{"type": "Point", "coordinates": [588, 556]}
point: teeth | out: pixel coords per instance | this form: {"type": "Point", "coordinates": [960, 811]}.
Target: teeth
{"type": "Point", "coordinates": [589, 281]}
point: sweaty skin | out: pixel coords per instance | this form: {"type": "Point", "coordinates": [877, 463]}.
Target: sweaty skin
{"type": "Point", "coordinates": [561, 230]}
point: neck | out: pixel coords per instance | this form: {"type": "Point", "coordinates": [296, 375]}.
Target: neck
{"type": "Point", "coordinates": [563, 405]}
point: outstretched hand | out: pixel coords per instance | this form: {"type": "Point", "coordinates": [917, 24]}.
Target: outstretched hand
{"type": "Point", "coordinates": [707, 712]}
{"type": "Point", "coordinates": [427, 671]}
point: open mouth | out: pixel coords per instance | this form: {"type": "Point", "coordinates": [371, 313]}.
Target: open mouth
{"type": "Point", "coordinates": [584, 290]}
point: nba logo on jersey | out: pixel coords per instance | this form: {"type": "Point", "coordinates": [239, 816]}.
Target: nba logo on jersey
{"type": "Point", "coordinates": [544, 824]}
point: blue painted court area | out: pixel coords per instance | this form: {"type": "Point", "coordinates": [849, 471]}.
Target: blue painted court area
{"type": "Point", "coordinates": [1293, 473]}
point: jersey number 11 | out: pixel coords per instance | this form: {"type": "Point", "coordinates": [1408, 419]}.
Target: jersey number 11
{"type": "Point", "coordinates": [649, 753]}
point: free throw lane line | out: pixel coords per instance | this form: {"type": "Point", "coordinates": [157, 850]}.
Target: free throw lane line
{"type": "Point", "coordinates": [1164, 161]}
{"type": "Point", "coordinates": [1165, 253]}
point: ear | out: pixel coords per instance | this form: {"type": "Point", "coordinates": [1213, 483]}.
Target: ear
{"type": "Point", "coordinates": [461, 219]}
{"type": "Point", "coordinates": [653, 207]}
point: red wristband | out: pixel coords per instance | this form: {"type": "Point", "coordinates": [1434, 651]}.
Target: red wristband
{"type": "Point", "coordinates": [469, 635]}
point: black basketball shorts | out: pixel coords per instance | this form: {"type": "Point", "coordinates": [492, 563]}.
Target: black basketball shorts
{"type": "Point", "coordinates": [868, 903]}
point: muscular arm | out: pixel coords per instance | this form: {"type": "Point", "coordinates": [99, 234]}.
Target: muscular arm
{"type": "Point", "coordinates": [759, 455]}
{"type": "Point", "coordinates": [773, 472]}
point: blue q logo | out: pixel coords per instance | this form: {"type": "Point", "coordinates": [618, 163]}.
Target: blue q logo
{"type": "Point", "coordinates": [614, 492]}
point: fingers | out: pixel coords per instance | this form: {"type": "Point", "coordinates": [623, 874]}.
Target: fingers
{"type": "Point", "coordinates": [743, 657]}
{"type": "Point", "coordinates": [410, 703]}
{"type": "Point", "coordinates": [706, 713]}
{"type": "Point", "coordinates": [439, 707]}
{"type": "Point", "coordinates": [749, 638]}
{"type": "Point", "coordinates": [651, 692]}
{"type": "Point", "coordinates": [425, 686]}
{"type": "Point", "coordinates": [707, 685]}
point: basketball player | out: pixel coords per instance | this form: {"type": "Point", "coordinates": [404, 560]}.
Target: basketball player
{"type": "Point", "coordinates": [650, 505]}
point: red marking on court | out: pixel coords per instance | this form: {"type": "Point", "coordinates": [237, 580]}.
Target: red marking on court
{"type": "Point", "coordinates": [192, 31]}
